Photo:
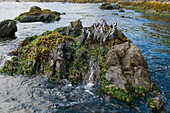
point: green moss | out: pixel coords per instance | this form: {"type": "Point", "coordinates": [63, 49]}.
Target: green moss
{"type": "Point", "coordinates": [17, 18]}
{"type": "Point", "coordinates": [115, 13]}
{"type": "Point", "coordinates": [155, 87]}
{"type": "Point", "coordinates": [118, 41]}
{"type": "Point", "coordinates": [37, 12]}
{"type": "Point", "coordinates": [116, 93]}
{"type": "Point", "coordinates": [1, 70]}
{"type": "Point", "coordinates": [120, 94]}
{"type": "Point", "coordinates": [133, 63]}
{"type": "Point", "coordinates": [162, 9]}
{"type": "Point", "coordinates": [121, 10]}
{"type": "Point", "coordinates": [30, 50]}
{"type": "Point", "coordinates": [151, 104]}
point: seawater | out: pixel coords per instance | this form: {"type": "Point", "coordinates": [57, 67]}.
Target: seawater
{"type": "Point", "coordinates": [22, 94]}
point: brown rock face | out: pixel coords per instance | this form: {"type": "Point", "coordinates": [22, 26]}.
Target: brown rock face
{"type": "Point", "coordinates": [156, 104]}
{"type": "Point", "coordinates": [75, 28]}
{"type": "Point", "coordinates": [134, 54]}
{"type": "Point", "coordinates": [126, 64]}
{"type": "Point", "coordinates": [59, 57]}
{"type": "Point", "coordinates": [106, 6]}
{"type": "Point", "coordinates": [7, 28]}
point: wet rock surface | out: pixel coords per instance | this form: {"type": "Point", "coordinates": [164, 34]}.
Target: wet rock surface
{"type": "Point", "coordinates": [36, 14]}
{"type": "Point", "coordinates": [49, 54]}
{"type": "Point", "coordinates": [102, 51]}
{"type": "Point", "coordinates": [7, 28]}
{"type": "Point", "coordinates": [127, 65]}
{"type": "Point", "coordinates": [74, 29]}
{"type": "Point", "coordinates": [155, 103]}
{"type": "Point", "coordinates": [106, 6]}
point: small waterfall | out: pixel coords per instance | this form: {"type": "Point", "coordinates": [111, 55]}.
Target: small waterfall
{"type": "Point", "coordinates": [92, 70]}
{"type": "Point", "coordinates": [90, 80]}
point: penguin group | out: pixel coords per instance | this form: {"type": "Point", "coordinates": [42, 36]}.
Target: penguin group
{"type": "Point", "coordinates": [100, 32]}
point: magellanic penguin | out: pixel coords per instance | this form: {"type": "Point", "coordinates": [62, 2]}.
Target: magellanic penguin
{"type": "Point", "coordinates": [114, 32]}
{"type": "Point", "coordinates": [100, 31]}
{"type": "Point", "coordinates": [106, 36]}
{"type": "Point", "coordinates": [83, 36]}
{"type": "Point", "coordinates": [88, 34]}
{"type": "Point", "coordinates": [92, 31]}
{"type": "Point", "coordinates": [104, 24]}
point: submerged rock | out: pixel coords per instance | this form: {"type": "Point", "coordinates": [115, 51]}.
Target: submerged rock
{"type": "Point", "coordinates": [121, 10]}
{"type": "Point", "coordinates": [106, 6]}
{"type": "Point", "coordinates": [155, 104]}
{"type": "Point", "coordinates": [36, 14]}
{"type": "Point", "coordinates": [7, 28]}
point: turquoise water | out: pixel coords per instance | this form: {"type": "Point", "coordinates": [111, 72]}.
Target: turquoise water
{"type": "Point", "coordinates": [36, 94]}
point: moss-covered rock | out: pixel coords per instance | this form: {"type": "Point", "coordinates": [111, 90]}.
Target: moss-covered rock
{"type": "Point", "coordinates": [47, 53]}
{"type": "Point", "coordinates": [155, 104]}
{"type": "Point", "coordinates": [118, 62]}
{"type": "Point", "coordinates": [158, 8]}
{"type": "Point", "coordinates": [73, 30]}
{"type": "Point", "coordinates": [36, 14]}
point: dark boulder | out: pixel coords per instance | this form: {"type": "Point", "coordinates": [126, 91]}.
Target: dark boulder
{"type": "Point", "coordinates": [106, 6]}
{"type": "Point", "coordinates": [7, 28]}
{"type": "Point", "coordinates": [36, 14]}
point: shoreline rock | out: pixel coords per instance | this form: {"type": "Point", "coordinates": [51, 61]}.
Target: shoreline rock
{"type": "Point", "coordinates": [117, 62]}
{"type": "Point", "coordinates": [155, 104]}
{"type": "Point", "coordinates": [8, 28]}
{"type": "Point", "coordinates": [149, 7]}
{"type": "Point", "coordinates": [106, 6]}
{"type": "Point", "coordinates": [36, 14]}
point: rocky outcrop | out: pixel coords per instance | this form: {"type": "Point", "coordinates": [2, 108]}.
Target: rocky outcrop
{"type": "Point", "coordinates": [36, 14]}
{"type": "Point", "coordinates": [74, 29]}
{"type": "Point", "coordinates": [102, 52]}
{"type": "Point", "coordinates": [106, 6]}
{"type": "Point", "coordinates": [150, 7]}
{"type": "Point", "coordinates": [7, 28]}
{"type": "Point", "coordinates": [127, 65]}
{"type": "Point", "coordinates": [49, 53]}
{"type": "Point", "coordinates": [155, 104]}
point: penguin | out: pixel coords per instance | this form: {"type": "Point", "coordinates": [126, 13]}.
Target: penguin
{"type": "Point", "coordinates": [96, 33]}
{"type": "Point", "coordinates": [88, 34]}
{"type": "Point", "coordinates": [98, 24]}
{"type": "Point", "coordinates": [83, 36]}
{"type": "Point", "coordinates": [114, 32]}
{"type": "Point", "coordinates": [106, 36]}
{"type": "Point", "coordinates": [102, 37]}
{"type": "Point", "coordinates": [92, 31]}
{"type": "Point", "coordinates": [111, 26]}
{"type": "Point", "coordinates": [100, 31]}
{"type": "Point", "coordinates": [104, 24]}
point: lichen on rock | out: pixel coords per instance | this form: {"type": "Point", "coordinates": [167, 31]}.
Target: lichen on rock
{"type": "Point", "coordinates": [36, 14]}
{"type": "Point", "coordinates": [155, 104]}
{"type": "Point", "coordinates": [46, 53]}
{"type": "Point", "coordinates": [150, 7]}
{"type": "Point", "coordinates": [119, 64]}
{"type": "Point", "coordinates": [73, 30]}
